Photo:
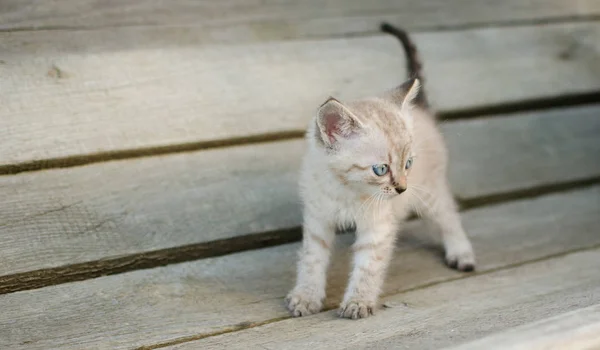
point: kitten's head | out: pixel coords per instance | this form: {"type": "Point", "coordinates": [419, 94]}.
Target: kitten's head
{"type": "Point", "coordinates": [369, 143]}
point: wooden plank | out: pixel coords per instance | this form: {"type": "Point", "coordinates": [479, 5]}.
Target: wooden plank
{"type": "Point", "coordinates": [522, 151]}
{"type": "Point", "coordinates": [239, 20]}
{"type": "Point", "coordinates": [196, 299]}
{"type": "Point", "coordinates": [438, 316]}
{"type": "Point", "coordinates": [579, 329]}
{"type": "Point", "coordinates": [67, 216]}
{"type": "Point", "coordinates": [83, 93]}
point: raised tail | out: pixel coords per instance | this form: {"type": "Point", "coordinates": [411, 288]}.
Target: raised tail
{"type": "Point", "coordinates": [413, 61]}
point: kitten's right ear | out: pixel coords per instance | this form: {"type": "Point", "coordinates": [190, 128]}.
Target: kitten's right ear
{"type": "Point", "coordinates": [334, 121]}
{"type": "Point", "coordinates": [406, 94]}
{"type": "Point", "coordinates": [411, 93]}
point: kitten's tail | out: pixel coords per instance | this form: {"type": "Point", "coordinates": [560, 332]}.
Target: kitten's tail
{"type": "Point", "coordinates": [414, 66]}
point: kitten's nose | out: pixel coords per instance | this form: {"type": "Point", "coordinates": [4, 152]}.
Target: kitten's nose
{"type": "Point", "coordinates": [400, 190]}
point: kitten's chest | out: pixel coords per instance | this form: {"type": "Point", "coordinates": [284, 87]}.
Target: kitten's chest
{"type": "Point", "coordinates": [353, 211]}
{"type": "Point", "coordinates": [342, 208]}
{"type": "Point", "coordinates": [345, 216]}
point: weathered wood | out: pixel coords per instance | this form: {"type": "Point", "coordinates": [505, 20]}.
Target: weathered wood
{"type": "Point", "coordinates": [438, 316]}
{"type": "Point", "coordinates": [70, 216]}
{"type": "Point", "coordinates": [186, 301]}
{"type": "Point", "coordinates": [85, 92]}
{"type": "Point", "coordinates": [523, 151]}
{"type": "Point", "coordinates": [579, 329]}
{"type": "Point", "coordinates": [239, 20]}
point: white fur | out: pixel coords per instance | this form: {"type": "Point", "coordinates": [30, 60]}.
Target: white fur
{"type": "Point", "coordinates": [332, 202]}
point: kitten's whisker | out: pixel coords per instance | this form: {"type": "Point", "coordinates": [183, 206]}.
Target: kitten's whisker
{"type": "Point", "coordinates": [376, 204]}
{"type": "Point", "coordinates": [370, 202]}
{"type": "Point", "coordinates": [380, 199]}
{"type": "Point", "coordinates": [422, 189]}
{"type": "Point", "coordinates": [425, 205]}
{"type": "Point", "coordinates": [366, 201]}
{"type": "Point", "coordinates": [363, 207]}
{"type": "Point", "coordinates": [432, 203]}
{"type": "Point", "coordinates": [415, 208]}
{"type": "Point", "coordinates": [373, 205]}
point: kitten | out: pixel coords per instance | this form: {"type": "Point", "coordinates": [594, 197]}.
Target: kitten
{"type": "Point", "coordinates": [368, 165]}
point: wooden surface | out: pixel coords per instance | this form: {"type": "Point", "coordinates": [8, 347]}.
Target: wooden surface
{"type": "Point", "coordinates": [69, 216]}
{"type": "Point", "coordinates": [522, 151]}
{"type": "Point", "coordinates": [440, 315]}
{"type": "Point", "coordinates": [186, 301]}
{"type": "Point", "coordinates": [61, 90]}
{"type": "Point", "coordinates": [579, 329]}
{"type": "Point", "coordinates": [166, 247]}
{"type": "Point", "coordinates": [238, 20]}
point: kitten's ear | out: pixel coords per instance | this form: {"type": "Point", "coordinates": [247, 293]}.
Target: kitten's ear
{"type": "Point", "coordinates": [413, 91]}
{"type": "Point", "coordinates": [334, 121]}
{"type": "Point", "coordinates": [405, 94]}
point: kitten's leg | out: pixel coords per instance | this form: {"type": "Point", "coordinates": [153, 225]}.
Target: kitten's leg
{"type": "Point", "coordinates": [372, 253]}
{"type": "Point", "coordinates": [307, 296]}
{"type": "Point", "coordinates": [442, 211]}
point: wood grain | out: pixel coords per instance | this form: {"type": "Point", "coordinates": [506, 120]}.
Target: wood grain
{"type": "Point", "coordinates": [85, 92]}
{"type": "Point", "coordinates": [70, 216]}
{"type": "Point", "coordinates": [438, 316]}
{"type": "Point", "coordinates": [239, 20]}
{"type": "Point", "coordinates": [522, 151]}
{"type": "Point", "coordinates": [579, 329]}
{"type": "Point", "coordinates": [191, 300]}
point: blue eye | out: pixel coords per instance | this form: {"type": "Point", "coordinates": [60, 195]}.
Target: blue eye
{"type": "Point", "coordinates": [408, 163]}
{"type": "Point", "coordinates": [380, 169]}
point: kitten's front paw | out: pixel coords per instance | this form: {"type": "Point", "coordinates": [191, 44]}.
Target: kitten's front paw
{"type": "Point", "coordinates": [462, 260]}
{"type": "Point", "coordinates": [356, 309]}
{"type": "Point", "coordinates": [302, 304]}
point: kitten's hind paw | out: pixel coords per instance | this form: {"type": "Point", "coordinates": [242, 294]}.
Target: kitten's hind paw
{"type": "Point", "coordinates": [464, 261]}
{"type": "Point", "coordinates": [356, 309]}
{"type": "Point", "coordinates": [302, 305]}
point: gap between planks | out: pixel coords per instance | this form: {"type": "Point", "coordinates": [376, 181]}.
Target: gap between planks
{"type": "Point", "coordinates": [543, 166]}
{"type": "Point", "coordinates": [166, 304]}
{"type": "Point", "coordinates": [206, 337]}
{"type": "Point", "coordinates": [363, 33]}
{"type": "Point", "coordinates": [541, 104]}
{"type": "Point", "coordinates": [85, 159]}
{"type": "Point", "coordinates": [163, 257]}
{"type": "Point", "coordinates": [554, 43]}
{"type": "Point", "coordinates": [329, 307]}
